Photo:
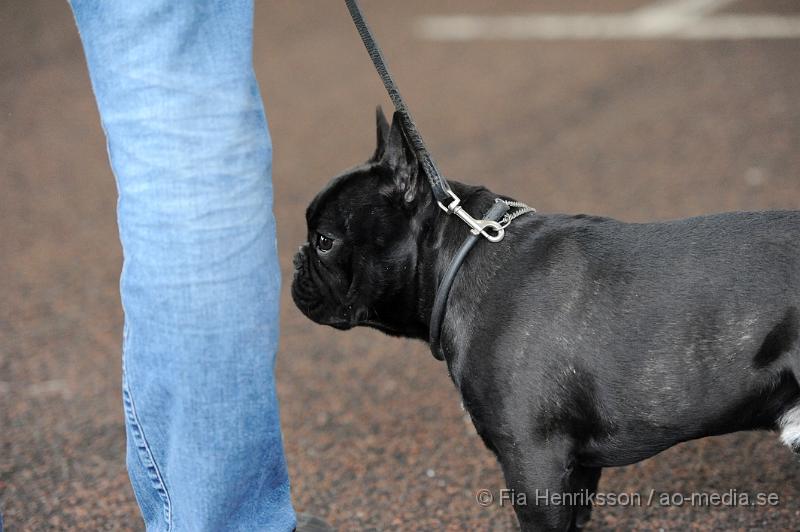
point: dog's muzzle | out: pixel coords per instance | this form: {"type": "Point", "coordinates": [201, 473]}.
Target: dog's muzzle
{"type": "Point", "coordinates": [306, 296]}
{"type": "Point", "coordinates": [311, 300]}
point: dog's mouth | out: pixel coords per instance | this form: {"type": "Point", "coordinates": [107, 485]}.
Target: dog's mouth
{"type": "Point", "coordinates": [308, 298]}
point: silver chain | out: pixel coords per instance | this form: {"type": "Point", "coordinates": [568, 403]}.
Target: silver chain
{"type": "Point", "coordinates": [510, 216]}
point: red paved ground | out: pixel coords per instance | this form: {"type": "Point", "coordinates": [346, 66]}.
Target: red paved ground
{"type": "Point", "coordinates": [373, 429]}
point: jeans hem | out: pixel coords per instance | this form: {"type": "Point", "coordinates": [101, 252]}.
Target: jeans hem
{"type": "Point", "coordinates": [142, 447]}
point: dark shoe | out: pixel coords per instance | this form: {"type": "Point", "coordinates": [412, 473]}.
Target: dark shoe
{"type": "Point", "coordinates": [309, 523]}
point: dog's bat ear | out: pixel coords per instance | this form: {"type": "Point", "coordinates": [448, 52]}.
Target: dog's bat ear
{"type": "Point", "coordinates": [400, 158]}
{"type": "Point", "coordinates": [382, 134]}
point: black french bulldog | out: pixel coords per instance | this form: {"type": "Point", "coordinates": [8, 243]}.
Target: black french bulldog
{"type": "Point", "coordinates": [577, 342]}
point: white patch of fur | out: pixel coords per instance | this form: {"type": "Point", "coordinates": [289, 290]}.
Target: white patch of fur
{"type": "Point", "coordinates": [790, 427]}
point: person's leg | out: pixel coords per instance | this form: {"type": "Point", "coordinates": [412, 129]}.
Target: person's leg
{"type": "Point", "coordinates": [190, 149]}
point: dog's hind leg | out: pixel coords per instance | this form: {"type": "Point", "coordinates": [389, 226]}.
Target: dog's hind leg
{"type": "Point", "coordinates": [781, 346]}
{"type": "Point", "coordinates": [789, 424]}
{"type": "Point", "coordinates": [789, 421]}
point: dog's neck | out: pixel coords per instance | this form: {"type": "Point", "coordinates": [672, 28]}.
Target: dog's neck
{"type": "Point", "coordinates": [438, 245]}
{"type": "Point", "coordinates": [439, 235]}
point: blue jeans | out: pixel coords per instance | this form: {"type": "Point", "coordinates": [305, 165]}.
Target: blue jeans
{"type": "Point", "coordinates": [191, 152]}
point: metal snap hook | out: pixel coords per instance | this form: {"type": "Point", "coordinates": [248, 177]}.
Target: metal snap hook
{"type": "Point", "coordinates": [499, 231]}
{"type": "Point", "coordinates": [479, 227]}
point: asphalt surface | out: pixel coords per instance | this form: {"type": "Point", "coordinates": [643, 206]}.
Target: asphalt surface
{"type": "Point", "coordinates": [374, 434]}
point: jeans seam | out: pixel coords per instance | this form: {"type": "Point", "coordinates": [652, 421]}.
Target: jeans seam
{"type": "Point", "coordinates": [142, 446]}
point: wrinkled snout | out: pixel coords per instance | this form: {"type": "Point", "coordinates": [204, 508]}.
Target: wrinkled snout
{"type": "Point", "coordinates": [300, 258]}
{"type": "Point", "coordinates": [305, 294]}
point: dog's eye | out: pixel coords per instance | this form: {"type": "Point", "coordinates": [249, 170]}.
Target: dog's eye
{"type": "Point", "coordinates": [324, 244]}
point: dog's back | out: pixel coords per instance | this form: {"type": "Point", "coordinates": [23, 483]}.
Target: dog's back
{"type": "Point", "coordinates": [659, 332]}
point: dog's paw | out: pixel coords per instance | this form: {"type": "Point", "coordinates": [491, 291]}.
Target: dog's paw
{"type": "Point", "coordinates": [582, 517]}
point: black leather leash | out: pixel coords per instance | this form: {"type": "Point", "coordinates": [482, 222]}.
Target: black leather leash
{"type": "Point", "coordinates": [496, 219]}
{"type": "Point", "coordinates": [445, 197]}
{"type": "Point", "coordinates": [439, 186]}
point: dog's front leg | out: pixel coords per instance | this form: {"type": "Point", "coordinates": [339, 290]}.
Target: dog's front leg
{"type": "Point", "coordinates": [542, 483]}
{"type": "Point", "coordinates": [584, 482]}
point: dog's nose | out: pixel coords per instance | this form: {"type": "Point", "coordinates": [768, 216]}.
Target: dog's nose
{"type": "Point", "coordinates": [299, 258]}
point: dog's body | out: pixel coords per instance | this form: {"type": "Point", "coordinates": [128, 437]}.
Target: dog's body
{"type": "Point", "coordinates": [576, 342]}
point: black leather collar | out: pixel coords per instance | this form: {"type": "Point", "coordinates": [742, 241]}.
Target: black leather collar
{"type": "Point", "coordinates": [495, 213]}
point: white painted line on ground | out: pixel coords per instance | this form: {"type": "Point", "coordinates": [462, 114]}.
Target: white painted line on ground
{"type": "Point", "coordinates": [604, 27]}
{"type": "Point", "coordinates": [684, 8]}
{"type": "Point", "coordinates": [744, 27]}
{"type": "Point", "coordinates": [49, 387]}
{"type": "Point", "coordinates": [669, 16]}
{"type": "Point", "coordinates": [672, 19]}
{"type": "Point", "coordinates": [54, 386]}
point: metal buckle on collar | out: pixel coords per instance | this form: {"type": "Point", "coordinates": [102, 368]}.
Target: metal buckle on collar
{"type": "Point", "coordinates": [478, 227]}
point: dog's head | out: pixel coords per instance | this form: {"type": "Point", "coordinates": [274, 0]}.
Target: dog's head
{"type": "Point", "coordinates": [360, 261]}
